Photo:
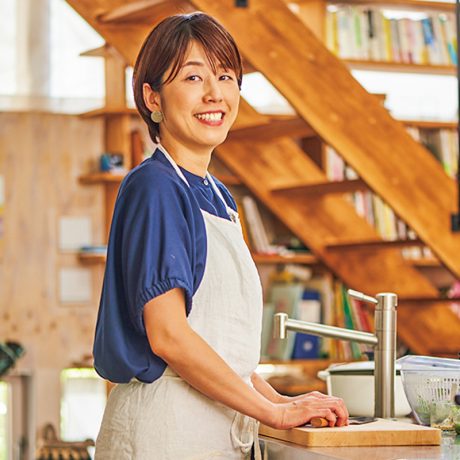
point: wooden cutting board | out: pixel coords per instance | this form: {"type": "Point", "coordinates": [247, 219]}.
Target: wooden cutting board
{"type": "Point", "coordinates": [378, 433]}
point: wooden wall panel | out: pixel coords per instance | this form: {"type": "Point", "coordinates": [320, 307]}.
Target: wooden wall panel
{"type": "Point", "coordinates": [42, 156]}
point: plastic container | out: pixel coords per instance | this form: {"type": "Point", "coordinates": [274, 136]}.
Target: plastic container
{"type": "Point", "coordinates": [428, 380]}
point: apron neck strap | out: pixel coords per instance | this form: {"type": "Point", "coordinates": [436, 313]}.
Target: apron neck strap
{"type": "Point", "coordinates": [231, 213]}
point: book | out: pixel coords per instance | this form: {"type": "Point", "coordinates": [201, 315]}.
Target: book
{"type": "Point", "coordinates": [256, 227]}
{"type": "Point", "coordinates": [308, 346]}
{"type": "Point", "coordinates": [267, 328]}
{"type": "Point", "coordinates": [285, 298]}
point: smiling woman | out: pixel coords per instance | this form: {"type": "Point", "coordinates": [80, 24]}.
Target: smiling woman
{"type": "Point", "coordinates": [181, 309]}
{"type": "Point", "coordinates": [164, 52]}
{"type": "Point", "coordinates": [198, 106]}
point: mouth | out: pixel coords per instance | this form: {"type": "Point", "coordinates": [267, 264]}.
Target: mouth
{"type": "Point", "coordinates": [213, 118]}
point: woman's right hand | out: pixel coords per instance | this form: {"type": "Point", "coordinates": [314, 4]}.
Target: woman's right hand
{"type": "Point", "coordinates": [301, 411]}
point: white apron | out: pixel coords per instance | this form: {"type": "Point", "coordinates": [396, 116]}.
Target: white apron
{"type": "Point", "coordinates": [170, 420]}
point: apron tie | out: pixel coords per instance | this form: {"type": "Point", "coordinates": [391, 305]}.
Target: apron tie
{"type": "Point", "coordinates": [245, 433]}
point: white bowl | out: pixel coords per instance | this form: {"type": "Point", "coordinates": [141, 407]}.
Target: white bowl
{"type": "Point", "coordinates": [354, 383]}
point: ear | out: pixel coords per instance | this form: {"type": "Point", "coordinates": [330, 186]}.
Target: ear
{"type": "Point", "coordinates": [151, 98]}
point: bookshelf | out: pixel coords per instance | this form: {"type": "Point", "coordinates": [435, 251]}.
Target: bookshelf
{"type": "Point", "coordinates": [383, 66]}
{"type": "Point", "coordinates": [394, 35]}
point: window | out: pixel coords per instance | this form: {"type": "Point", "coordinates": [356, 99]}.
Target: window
{"type": "Point", "coordinates": [8, 47]}
{"type": "Point", "coordinates": [5, 425]}
{"type": "Point", "coordinates": [69, 82]}
{"type": "Point", "coordinates": [72, 75]}
{"type": "Point", "coordinates": [263, 96]}
{"type": "Point", "coordinates": [84, 395]}
{"type": "Point", "coordinates": [414, 96]}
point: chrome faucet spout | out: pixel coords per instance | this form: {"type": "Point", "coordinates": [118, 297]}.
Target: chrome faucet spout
{"type": "Point", "coordinates": [384, 341]}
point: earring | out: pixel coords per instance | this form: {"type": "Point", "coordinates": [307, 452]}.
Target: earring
{"type": "Point", "coordinates": [156, 116]}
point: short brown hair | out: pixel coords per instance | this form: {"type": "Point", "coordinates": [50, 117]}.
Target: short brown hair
{"type": "Point", "coordinates": [167, 45]}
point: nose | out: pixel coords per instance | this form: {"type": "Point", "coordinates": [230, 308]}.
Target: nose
{"type": "Point", "coordinates": [213, 91]}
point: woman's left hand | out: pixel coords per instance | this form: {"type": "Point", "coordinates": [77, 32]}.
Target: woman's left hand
{"type": "Point", "coordinates": [315, 395]}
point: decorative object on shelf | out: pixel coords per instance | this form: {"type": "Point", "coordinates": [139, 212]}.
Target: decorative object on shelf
{"type": "Point", "coordinates": [9, 353]}
{"type": "Point", "coordinates": [111, 162]}
{"type": "Point", "coordinates": [102, 249]}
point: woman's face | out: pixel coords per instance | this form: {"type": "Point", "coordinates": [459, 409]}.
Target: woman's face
{"type": "Point", "coordinates": [198, 106]}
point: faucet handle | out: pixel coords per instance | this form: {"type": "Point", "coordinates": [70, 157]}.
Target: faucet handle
{"type": "Point", "coordinates": [360, 296]}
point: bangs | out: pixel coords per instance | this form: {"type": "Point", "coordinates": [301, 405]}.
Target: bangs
{"type": "Point", "coordinates": [218, 47]}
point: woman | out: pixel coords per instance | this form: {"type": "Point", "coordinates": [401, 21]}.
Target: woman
{"type": "Point", "coordinates": [180, 315]}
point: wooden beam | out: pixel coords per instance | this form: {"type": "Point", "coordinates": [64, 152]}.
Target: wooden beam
{"type": "Point", "coordinates": [289, 127]}
{"type": "Point", "coordinates": [322, 188]}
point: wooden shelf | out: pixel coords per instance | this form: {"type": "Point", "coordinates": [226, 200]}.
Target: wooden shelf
{"type": "Point", "coordinates": [402, 4]}
{"type": "Point", "coordinates": [321, 188]}
{"type": "Point", "coordinates": [400, 67]}
{"type": "Point", "coordinates": [304, 259]}
{"type": "Point", "coordinates": [425, 263]}
{"type": "Point", "coordinates": [106, 177]}
{"type": "Point", "coordinates": [277, 126]}
{"type": "Point", "coordinates": [430, 124]}
{"type": "Point", "coordinates": [428, 300]}
{"type": "Point", "coordinates": [297, 376]}
{"type": "Point", "coordinates": [107, 111]}
{"type": "Point", "coordinates": [264, 259]}
{"type": "Point", "coordinates": [228, 179]}
{"type": "Point", "coordinates": [101, 178]}
{"type": "Point", "coordinates": [89, 258]}
{"type": "Point", "coordinates": [375, 244]}
{"type": "Point", "coordinates": [101, 51]}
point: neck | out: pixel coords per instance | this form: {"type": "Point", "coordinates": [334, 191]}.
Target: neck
{"type": "Point", "coordinates": [193, 160]}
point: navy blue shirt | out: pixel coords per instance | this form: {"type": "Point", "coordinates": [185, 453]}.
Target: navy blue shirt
{"type": "Point", "coordinates": [157, 242]}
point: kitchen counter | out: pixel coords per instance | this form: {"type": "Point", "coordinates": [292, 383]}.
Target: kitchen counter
{"type": "Point", "coordinates": [280, 450]}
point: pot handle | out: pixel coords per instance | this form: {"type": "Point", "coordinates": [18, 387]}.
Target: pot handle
{"type": "Point", "coordinates": [323, 375]}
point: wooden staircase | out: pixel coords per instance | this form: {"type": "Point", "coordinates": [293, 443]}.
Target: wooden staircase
{"type": "Point", "coordinates": [330, 103]}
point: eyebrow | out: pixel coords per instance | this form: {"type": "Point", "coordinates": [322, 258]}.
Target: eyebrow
{"type": "Point", "coordinates": [198, 63]}
{"type": "Point", "coordinates": [192, 63]}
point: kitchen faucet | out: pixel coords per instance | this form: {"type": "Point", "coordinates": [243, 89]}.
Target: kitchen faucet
{"type": "Point", "coordinates": [384, 341]}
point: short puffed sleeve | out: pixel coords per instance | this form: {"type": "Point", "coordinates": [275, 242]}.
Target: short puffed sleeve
{"type": "Point", "coordinates": [158, 241]}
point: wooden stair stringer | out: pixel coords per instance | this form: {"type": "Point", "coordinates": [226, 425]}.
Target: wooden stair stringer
{"type": "Point", "coordinates": [325, 94]}
{"type": "Point", "coordinates": [318, 221]}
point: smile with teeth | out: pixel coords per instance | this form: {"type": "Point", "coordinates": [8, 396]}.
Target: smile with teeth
{"type": "Point", "coordinates": [215, 116]}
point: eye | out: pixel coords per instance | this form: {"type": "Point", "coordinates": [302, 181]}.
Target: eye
{"type": "Point", "coordinates": [225, 77]}
{"type": "Point", "coordinates": [193, 78]}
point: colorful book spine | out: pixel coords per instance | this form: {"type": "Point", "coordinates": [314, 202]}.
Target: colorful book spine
{"type": "Point", "coordinates": [355, 32]}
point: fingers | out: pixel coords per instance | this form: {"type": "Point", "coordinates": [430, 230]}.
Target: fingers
{"type": "Point", "coordinates": [329, 416]}
{"type": "Point", "coordinates": [334, 406]}
{"type": "Point", "coordinates": [337, 405]}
